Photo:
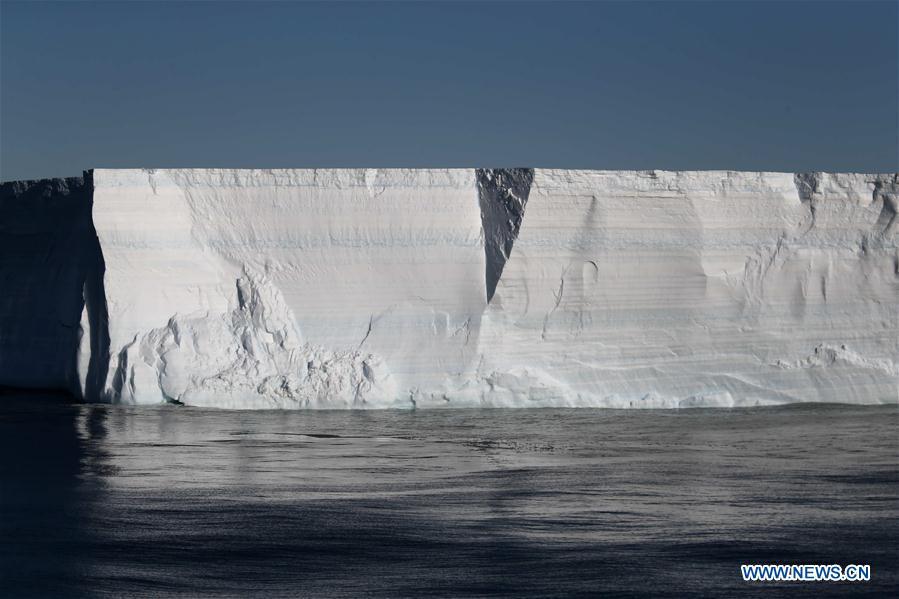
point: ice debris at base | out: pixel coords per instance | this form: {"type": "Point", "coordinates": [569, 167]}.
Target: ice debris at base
{"type": "Point", "coordinates": [250, 357]}
{"type": "Point", "coordinates": [342, 288]}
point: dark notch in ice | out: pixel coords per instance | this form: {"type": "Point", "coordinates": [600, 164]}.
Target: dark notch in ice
{"type": "Point", "coordinates": [503, 194]}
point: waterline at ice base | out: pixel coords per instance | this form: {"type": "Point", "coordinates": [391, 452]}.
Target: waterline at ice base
{"type": "Point", "coordinates": [401, 288]}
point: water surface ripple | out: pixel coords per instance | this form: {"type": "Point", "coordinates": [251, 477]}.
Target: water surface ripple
{"type": "Point", "coordinates": [114, 501]}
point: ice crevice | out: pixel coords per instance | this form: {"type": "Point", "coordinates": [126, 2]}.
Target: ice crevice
{"type": "Point", "coordinates": [503, 197]}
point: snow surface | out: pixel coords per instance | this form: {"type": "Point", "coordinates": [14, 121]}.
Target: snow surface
{"type": "Point", "coordinates": [433, 287]}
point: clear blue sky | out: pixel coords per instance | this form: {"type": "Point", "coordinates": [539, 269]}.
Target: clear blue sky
{"type": "Point", "coordinates": [675, 85]}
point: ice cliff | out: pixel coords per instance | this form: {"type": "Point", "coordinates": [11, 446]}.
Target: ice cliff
{"type": "Point", "coordinates": [433, 287]}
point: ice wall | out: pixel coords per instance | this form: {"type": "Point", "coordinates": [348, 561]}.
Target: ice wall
{"type": "Point", "coordinates": [657, 289]}
{"type": "Point", "coordinates": [51, 287]}
{"type": "Point", "coordinates": [435, 287]}
{"type": "Point", "coordinates": [327, 288]}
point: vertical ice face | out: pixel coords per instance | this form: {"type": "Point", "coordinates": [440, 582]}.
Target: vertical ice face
{"type": "Point", "coordinates": [641, 289]}
{"type": "Point", "coordinates": [50, 266]}
{"type": "Point", "coordinates": [337, 287]}
{"type": "Point", "coordinates": [500, 287]}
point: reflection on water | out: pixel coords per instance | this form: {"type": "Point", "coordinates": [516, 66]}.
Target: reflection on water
{"type": "Point", "coordinates": [112, 501]}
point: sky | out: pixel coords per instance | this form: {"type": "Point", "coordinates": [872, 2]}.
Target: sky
{"type": "Point", "coordinates": [785, 86]}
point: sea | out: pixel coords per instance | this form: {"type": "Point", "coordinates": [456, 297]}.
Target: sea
{"type": "Point", "coordinates": [173, 501]}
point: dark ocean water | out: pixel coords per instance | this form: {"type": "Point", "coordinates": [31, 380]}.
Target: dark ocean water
{"type": "Point", "coordinates": [119, 501]}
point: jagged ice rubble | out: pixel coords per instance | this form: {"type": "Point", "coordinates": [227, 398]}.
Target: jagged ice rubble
{"type": "Point", "coordinates": [340, 288]}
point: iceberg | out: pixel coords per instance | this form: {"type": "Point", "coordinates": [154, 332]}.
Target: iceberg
{"type": "Point", "coordinates": [377, 288]}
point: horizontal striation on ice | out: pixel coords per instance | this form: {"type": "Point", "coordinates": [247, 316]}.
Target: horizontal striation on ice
{"type": "Point", "coordinates": [660, 289]}
{"type": "Point", "coordinates": [374, 280]}
{"type": "Point", "coordinates": [336, 288]}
